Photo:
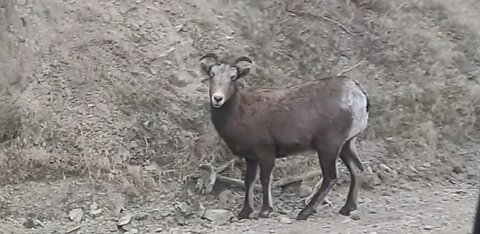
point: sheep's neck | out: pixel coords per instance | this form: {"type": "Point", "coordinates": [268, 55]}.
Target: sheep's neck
{"type": "Point", "coordinates": [228, 113]}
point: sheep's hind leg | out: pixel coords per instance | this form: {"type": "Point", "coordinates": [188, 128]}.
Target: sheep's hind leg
{"type": "Point", "coordinates": [250, 177]}
{"type": "Point", "coordinates": [327, 158]}
{"type": "Point", "coordinates": [347, 154]}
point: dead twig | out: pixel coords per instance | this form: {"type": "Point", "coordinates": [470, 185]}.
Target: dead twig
{"type": "Point", "coordinates": [215, 177]}
{"type": "Point", "coordinates": [350, 68]}
{"type": "Point", "coordinates": [236, 183]}
{"type": "Point", "coordinates": [225, 166]}
{"type": "Point", "coordinates": [212, 177]}
{"type": "Point", "coordinates": [308, 14]}
{"type": "Point", "coordinates": [290, 180]}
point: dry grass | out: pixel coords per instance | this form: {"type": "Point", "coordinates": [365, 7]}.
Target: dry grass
{"type": "Point", "coordinates": [128, 106]}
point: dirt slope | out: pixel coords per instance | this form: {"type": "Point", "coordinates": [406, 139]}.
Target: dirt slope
{"type": "Point", "coordinates": [110, 91]}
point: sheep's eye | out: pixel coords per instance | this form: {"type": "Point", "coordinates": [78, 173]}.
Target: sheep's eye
{"type": "Point", "coordinates": [212, 74]}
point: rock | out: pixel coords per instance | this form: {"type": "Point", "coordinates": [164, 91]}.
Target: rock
{"type": "Point", "coordinates": [457, 170]}
{"type": "Point", "coordinates": [427, 165]}
{"type": "Point", "coordinates": [96, 212]}
{"type": "Point", "coordinates": [183, 207]}
{"type": "Point", "coordinates": [376, 181]}
{"type": "Point", "coordinates": [369, 170]}
{"type": "Point", "coordinates": [158, 229]}
{"type": "Point", "coordinates": [285, 220]}
{"type": "Point", "coordinates": [132, 231]}
{"type": "Point", "coordinates": [218, 216]}
{"type": "Point", "coordinates": [304, 190]}
{"type": "Point", "coordinates": [394, 174]}
{"type": "Point", "coordinates": [74, 229]}
{"type": "Point", "coordinates": [372, 211]}
{"type": "Point", "coordinates": [141, 216]}
{"type": "Point", "coordinates": [126, 227]}
{"type": "Point", "coordinates": [355, 217]}
{"type": "Point", "coordinates": [93, 206]}
{"type": "Point", "coordinates": [406, 187]}
{"type": "Point", "coordinates": [427, 227]}
{"type": "Point", "coordinates": [122, 221]}
{"type": "Point", "coordinates": [31, 223]}
{"type": "Point", "coordinates": [226, 196]}
{"type": "Point", "coordinates": [180, 220]}
{"type": "Point", "coordinates": [76, 215]}
{"type": "Point", "coordinates": [385, 168]}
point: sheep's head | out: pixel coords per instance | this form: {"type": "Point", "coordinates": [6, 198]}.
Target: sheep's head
{"type": "Point", "coordinates": [222, 77]}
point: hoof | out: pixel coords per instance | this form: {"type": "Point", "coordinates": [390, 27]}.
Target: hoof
{"type": "Point", "coordinates": [346, 210]}
{"type": "Point", "coordinates": [244, 214]}
{"type": "Point", "coordinates": [304, 214]}
{"type": "Point", "coordinates": [265, 213]}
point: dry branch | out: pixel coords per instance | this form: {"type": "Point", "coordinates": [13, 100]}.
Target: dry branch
{"type": "Point", "coordinates": [290, 180]}
{"type": "Point", "coordinates": [212, 177]}
{"type": "Point", "coordinates": [225, 166]}
{"type": "Point", "coordinates": [308, 14]}
{"type": "Point", "coordinates": [350, 68]}
{"type": "Point", "coordinates": [215, 177]}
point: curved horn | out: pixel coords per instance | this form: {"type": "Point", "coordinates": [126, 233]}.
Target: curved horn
{"type": "Point", "coordinates": [244, 59]}
{"type": "Point", "coordinates": [210, 55]}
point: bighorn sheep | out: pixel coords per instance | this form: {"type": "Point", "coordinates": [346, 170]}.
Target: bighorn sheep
{"type": "Point", "coordinates": [262, 124]}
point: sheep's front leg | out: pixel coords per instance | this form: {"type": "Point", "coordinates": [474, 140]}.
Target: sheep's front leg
{"type": "Point", "coordinates": [266, 168]}
{"type": "Point", "coordinates": [250, 177]}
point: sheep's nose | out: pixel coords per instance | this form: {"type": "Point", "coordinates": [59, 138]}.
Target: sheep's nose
{"type": "Point", "coordinates": [217, 98]}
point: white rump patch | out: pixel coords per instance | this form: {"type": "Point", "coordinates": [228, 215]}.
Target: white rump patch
{"type": "Point", "coordinates": [355, 101]}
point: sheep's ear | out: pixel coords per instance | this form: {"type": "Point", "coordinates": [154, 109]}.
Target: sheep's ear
{"type": "Point", "coordinates": [243, 72]}
{"type": "Point", "coordinates": [205, 68]}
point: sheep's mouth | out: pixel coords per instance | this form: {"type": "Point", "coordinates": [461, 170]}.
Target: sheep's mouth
{"type": "Point", "coordinates": [216, 105]}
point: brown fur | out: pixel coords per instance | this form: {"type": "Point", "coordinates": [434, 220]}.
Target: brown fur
{"type": "Point", "coordinates": [288, 119]}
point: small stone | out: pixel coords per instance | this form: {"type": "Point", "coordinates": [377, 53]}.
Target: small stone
{"type": "Point", "coordinates": [74, 229]}
{"type": "Point", "coordinates": [428, 227]}
{"type": "Point", "coordinates": [218, 216]}
{"type": "Point", "coordinates": [183, 207]}
{"type": "Point", "coordinates": [285, 220]}
{"type": "Point", "coordinates": [179, 28]}
{"type": "Point", "coordinates": [127, 227]}
{"type": "Point", "coordinates": [304, 190]}
{"type": "Point", "coordinates": [76, 215]}
{"type": "Point", "coordinates": [385, 168]}
{"type": "Point", "coordinates": [369, 170]}
{"type": "Point", "coordinates": [406, 187]}
{"type": "Point", "coordinates": [132, 231]}
{"type": "Point", "coordinates": [226, 196]}
{"type": "Point", "coordinates": [124, 220]}
{"type": "Point", "coordinates": [96, 212]}
{"type": "Point", "coordinates": [158, 229]}
{"type": "Point", "coordinates": [394, 174]}
{"type": "Point", "coordinates": [427, 165]}
{"type": "Point", "coordinates": [376, 181]}
{"type": "Point", "coordinates": [93, 206]}
{"type": "Point", "coordinates": [29, 223]}
{"type": "Point", "coordinates": [457, 170]}
{"type": "Point", "coordinates": [355, 217]}
{"type": "Point", "coordinates": [141, 216]}
{"type": "Point", "coordinates": [180, 220]}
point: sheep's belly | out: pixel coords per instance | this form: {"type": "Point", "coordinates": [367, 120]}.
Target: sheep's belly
{"type": "Point", "coordinates": [287, 150]}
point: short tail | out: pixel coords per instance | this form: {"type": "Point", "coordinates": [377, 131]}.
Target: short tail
{"type": "Point", "coordinates": [364, 93]}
